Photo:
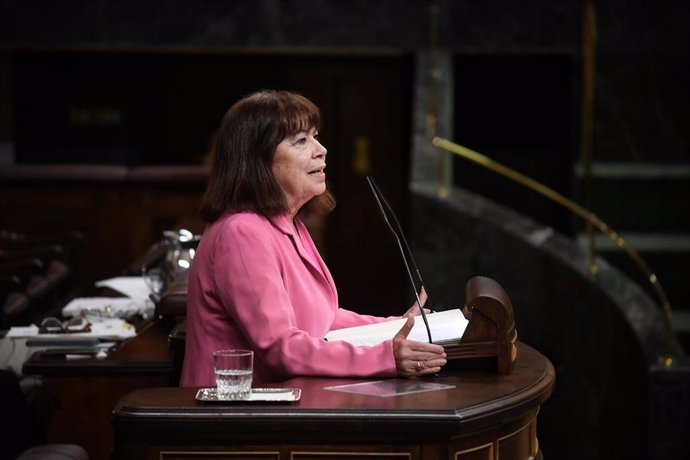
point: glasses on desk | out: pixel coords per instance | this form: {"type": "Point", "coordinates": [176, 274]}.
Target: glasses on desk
{"type": "Point", "coordinates": [52, 325]}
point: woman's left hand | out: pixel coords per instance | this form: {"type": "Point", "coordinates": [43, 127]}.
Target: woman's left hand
{"type": "Point", "coordinates": [414, 359]}
{"type": "Point", "coordinates": [414, 309]}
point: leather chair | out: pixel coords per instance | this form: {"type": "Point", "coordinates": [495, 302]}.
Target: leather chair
{"type": "Point", "coordinates": [36, 274]}
{"type": "Point", "coordinates": [31, 288]}
{"type": "Point", "coordinates": [40, 271]}
{"type": "Point", "coordinates": [15, 304]}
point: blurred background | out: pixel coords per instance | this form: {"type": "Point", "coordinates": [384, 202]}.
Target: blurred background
{"type": "Point", "coordinates": [108, 111]}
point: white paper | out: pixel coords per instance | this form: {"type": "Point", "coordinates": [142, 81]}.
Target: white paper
{"type": "Point", "coordinates": [114, 307]}
{"type": "Point", "coordinates": [108, 328]}
{"type": "Point", "coordinates": [388, 388]}
{"type": "Point", "coordinates": [131, 286]}
{"type": "Point", "coordinates": [445, 325]}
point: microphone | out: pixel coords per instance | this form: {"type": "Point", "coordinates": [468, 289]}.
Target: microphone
{"type": "Point", "coordinates": [401, 240]}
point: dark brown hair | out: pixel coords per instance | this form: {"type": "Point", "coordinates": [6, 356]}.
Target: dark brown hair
{"type": "Point", "coordinates": [242, 178]}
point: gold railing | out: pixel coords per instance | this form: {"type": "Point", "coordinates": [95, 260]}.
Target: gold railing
{"type": "Point", "coordinates": [589, 217]}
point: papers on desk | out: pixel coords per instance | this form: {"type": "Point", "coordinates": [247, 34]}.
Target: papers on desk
{"type": "Point", "coordinates": [104, 314]}
{"type": "Point", "coordinates": [104, 335]}
{"type": "Point", "coordinates": [108, 329]}
{"type": "Point", "coordinates": [108, 307]}
{"type": "Point", "coordinates": [135, 302]}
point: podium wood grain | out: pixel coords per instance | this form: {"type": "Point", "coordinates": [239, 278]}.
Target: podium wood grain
{"type": "Point", "coordinates": [486, 416]}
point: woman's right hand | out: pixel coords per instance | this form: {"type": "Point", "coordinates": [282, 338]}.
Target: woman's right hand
{"type": "Point", "coordinates": [414, 359]}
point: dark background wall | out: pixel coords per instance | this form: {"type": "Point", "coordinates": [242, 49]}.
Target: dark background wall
{"type": "Point", "coordinates": [642, 47]}
{"type": "Point", "coordinates": [152, 78]}
{"type": "Point", "coordinates": [144, 82]}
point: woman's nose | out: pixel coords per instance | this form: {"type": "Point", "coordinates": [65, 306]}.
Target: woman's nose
{"type": "Point", "coordinates": [320, 151]}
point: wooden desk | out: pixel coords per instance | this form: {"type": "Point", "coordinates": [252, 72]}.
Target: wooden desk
{"type": "Point", "coordinates": [486, 416]}
{"type": "Point", "coordinates": [86, 390]}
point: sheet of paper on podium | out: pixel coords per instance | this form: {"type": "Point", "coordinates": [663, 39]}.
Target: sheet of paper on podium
{"type": "Point", "coordinates": [445, 326]}
{"type": "Point", "coordinates": [391, 387]}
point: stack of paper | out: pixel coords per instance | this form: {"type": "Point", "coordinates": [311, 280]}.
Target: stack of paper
{"type": "Point", "coordinates": [108, 329]}
{"type": "Point", "coordinates": [136, 302]}
{"type": "Point", "coordinates": [445, 326]}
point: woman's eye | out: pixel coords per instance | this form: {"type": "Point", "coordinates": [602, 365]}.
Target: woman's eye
{"type": "Point", "coordinates": [301, 140]}
{"type": "Point", "coordinates": [316, 135]}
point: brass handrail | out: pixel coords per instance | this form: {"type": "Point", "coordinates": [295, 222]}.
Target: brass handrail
{"type": "Point", "coordinates": [578, 210]}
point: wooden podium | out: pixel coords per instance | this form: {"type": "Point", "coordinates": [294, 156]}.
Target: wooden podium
{"type": "Point", "coordinates": [485, 415]}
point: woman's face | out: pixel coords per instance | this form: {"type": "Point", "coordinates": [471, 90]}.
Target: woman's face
{"type": "Point", "coordinates": [299, 165]}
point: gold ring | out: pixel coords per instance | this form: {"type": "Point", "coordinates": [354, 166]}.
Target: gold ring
{"type": "Point", "coordinates": [419, 366]}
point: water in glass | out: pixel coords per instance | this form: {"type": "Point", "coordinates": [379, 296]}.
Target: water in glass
{"type": "Point", "coordinates": [233, 383]}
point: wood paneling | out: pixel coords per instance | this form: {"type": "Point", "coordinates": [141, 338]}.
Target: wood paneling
{"type": "Point", "coordinates": [484, 416]}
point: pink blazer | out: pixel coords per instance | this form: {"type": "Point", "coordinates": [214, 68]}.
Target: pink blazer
{"type": "Point", "coordinates": [254, 285]}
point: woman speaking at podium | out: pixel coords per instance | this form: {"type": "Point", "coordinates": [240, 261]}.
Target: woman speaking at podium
{"type": "Point", "coordinates": [257, 280]}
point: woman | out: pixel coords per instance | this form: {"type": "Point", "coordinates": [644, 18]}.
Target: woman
{"type": "Point", "coordinates": [257, 280]}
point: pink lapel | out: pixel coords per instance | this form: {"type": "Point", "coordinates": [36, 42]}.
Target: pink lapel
{"type": "Point", "coordinates": [282, 223]}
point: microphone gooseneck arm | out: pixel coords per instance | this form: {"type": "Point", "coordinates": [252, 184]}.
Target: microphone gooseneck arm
{"type": "Point", "coordinates": [378, 196]}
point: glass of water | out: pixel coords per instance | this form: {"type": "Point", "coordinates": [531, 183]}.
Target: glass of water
{"type": "Point", "coordinates": [233, 370]}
